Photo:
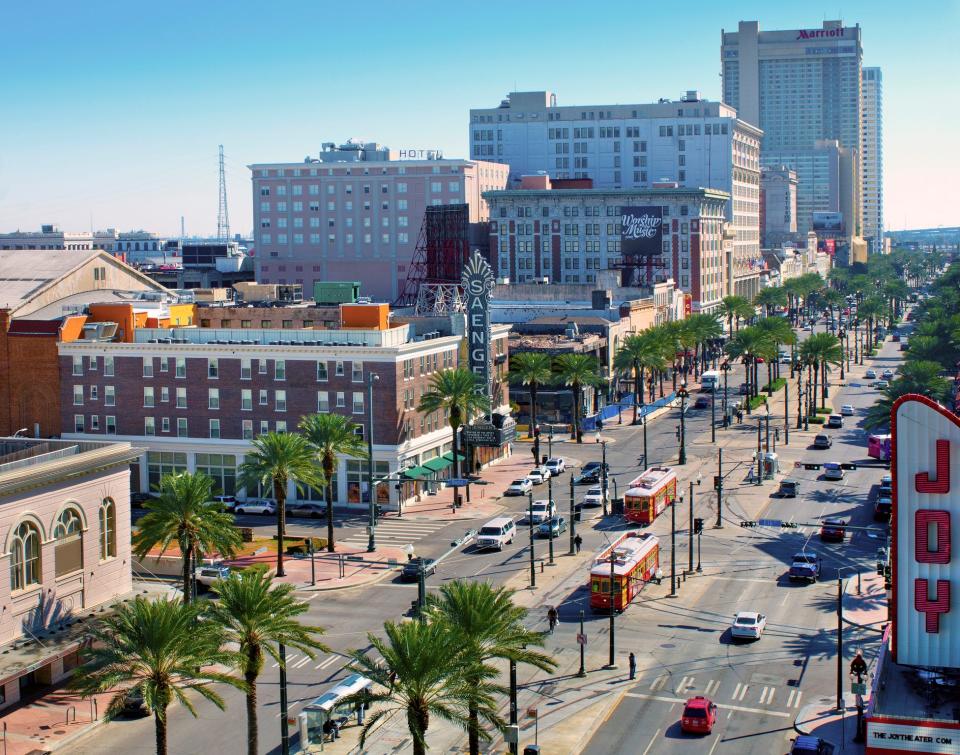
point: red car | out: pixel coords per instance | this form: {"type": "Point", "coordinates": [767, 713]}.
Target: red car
{"type": "Point", "coordinates": [833, 529]}
{"type": "Point", "coordinates": [699, 716]}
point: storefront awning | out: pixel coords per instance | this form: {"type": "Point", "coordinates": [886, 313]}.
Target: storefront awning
{"type": "Point", "coordinates": [435, 465]}
{"type": "Point", "coordinates": [417, 473]}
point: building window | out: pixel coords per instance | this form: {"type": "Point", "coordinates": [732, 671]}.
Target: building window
{"type": "Point", "coordinates": [108, 366]}
{"type": "Point", "coordinates": [181, 367]}
{"type": "Point", "coordinates": [341, 400]}
{"type": "Point", "coordinates": [148, 366]}
{"type": "Point", "coordinates": [25, 557]}
{"type": "Point", "coordinates": [222, 468]}
{"type": "Point", "coordinates": [149, 426]}
{"type": "Point", "coordinates": [95, 422]}
{"type": "Point", "coordinates": [92, 364]}
{"type": "Point", "coordinates": [264, 427]}
{"type": "Point", "coordinates": [246, 400]}
{"type": "Point", "coordinates": [108, 529]}
{"type": "Point", "coordinates": [247, 429]}
{"type": "Point", "coordinates": [164, 364]}
{"type": "Point", "coordinates": [111, 424]}
{"type": "Point", "coordinates": [182, 428]}
{"type": "Point", "coordinates": [280, 401]}
{"type": "Point", "coordinates": [181, 398]}
{"type": "Point", "coordinates": [164, 424]}
{"type": "Point", "coordinates": [280, 368]}
{"type": "Point", "coordinates": [214, 428]}
{"type": "Point", "coordinates": [213, 398]}
{"type": "Point", "coordinates": [356, 373]}
{"type": "Point", "coordinates": [68, 549]}
{"type": "Point", "coordinates": [213, 368]}
{"type": "Point", "coordinates": [281, 426]}
{"type": "Point", "coordinates": [79, 425]}
{"type": "Point", "coordinates": [78, 365]}
{"type": "Point", "coordinates": [323, 401]}
{"type": "Point", "coordinates": [162, 463]}
{"type": "Point", "coordinates": [263, 397]}
{"type": "Point", "coordinates": [322, 372]}
{"type": "Point", "coordinates": [78, 395]}
{"type": "Point", "coordinates": [358, 402]}
{"type": "Point", "coordinates": [148, 397]}
{"type": "Point", "coordinates": [339, 369]}
{"type": "Point", "coordinates": [245, 369]}
{"type": "Point", "coordinates": [262, 364]}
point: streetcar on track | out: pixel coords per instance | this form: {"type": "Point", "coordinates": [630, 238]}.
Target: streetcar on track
{"type": "Point", "coordinates": [649, 494]}
{"type": "Point", "coordinates": [635, 561]}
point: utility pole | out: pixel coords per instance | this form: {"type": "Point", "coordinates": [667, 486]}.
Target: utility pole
{"type": "Point", "coordinates": [583, 669]}
{"type": "Point", "coordinates": [603, 476]}
{"type": "Point", "coordinates": [550, 508]}
{"type": "Point", "coordinates": [786, 413]}
{"type": "Point", "coordinates": [767, 442]}
{"type": "Point", "coordinates": [690, 565]}
{"type": "Point", "coordinates": [759, 450]}
{"type": "Point", "coordinates": [719, 524]}
{"type": "Point", "coordinates": [284, 726]}
{"type": "Point", "coordinates": [673, 548]}
{"type": "Point", "coordinates": [513, 701]}
{"type": "Point", "coordinates": [372, 538]}
{"type": "Point", "coordinates": [613, 609]}
{"type": "Point", "coordinates": [683, 393]}
{"type": "Point", "coordinates": [646, 457]}
{"type": "Point", "coordinates": [573, 519]}
{"type": "Point", "coordinates": [533, 570]}
{"type": "Point", "coordinates": [839, 642]}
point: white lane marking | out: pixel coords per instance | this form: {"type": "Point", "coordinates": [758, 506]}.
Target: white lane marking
{"type": "Point", "coordinates": [306, 659]}
{"type": "Point", "coordinates": [685, 684]}
{"type": "Point", "coordinates": [712, 686]}
{"type": "Point", "coordinates": [716, 741]}
{"type": "Point", "coordinates": [766, 697]}
{"type": "Point", "coordinates": [290, 660]}
{"type": "Point", "coordinates": [659, 682]}
{"type": "Point", "coordinates": [796, 703]}
{"type": "Point", "coordinates": [736, 691]}
{"type": "Point", "coordinates": [741, 708]}
{"type": "Point", "coordinates": [743, 693]}
{"type": "Point", "coordinates": [653, 741]}
{"type": "Point", "coordinates": [327, 662]}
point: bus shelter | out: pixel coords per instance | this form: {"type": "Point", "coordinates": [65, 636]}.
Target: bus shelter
{"type": "Point", "coordinates": [330, 707]}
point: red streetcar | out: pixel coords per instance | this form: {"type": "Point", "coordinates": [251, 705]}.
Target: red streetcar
{"type": "Point", "coordinates": [649, 494]}
{"type": "Point", "coordinates": [636, 559]}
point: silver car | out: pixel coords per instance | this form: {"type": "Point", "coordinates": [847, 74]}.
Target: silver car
{"type": "Point", "coordinates": [256, 506]}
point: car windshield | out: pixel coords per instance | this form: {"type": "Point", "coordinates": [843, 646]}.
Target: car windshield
{"type": "Point", "coordinates": [748, 620]}
{"type": "Point", "coordinates": [691, 712]}
{"type": "Point", "coordinates": [593, 491]}
{"type": "Point", "coordinates": [805, 558]}
{"type": "Point", "coordinates": [489, 530]}
{"type": "Point", "coordinates": [518, 482]}
{"type": "Point", "coordinates": [540, 505]}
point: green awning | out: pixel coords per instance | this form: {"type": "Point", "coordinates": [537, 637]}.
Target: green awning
{"type": "Point", "coordinates": [449, 457]}
{"type": "Point", "coordinates": [417, 473]}
{"type": "Point", "coordinates": [435, 465]}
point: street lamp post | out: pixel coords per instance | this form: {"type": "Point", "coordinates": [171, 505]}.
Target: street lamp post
{"type": "Point", "coordinates": [573, 519]}
{"type": "Point", "coordinates": [713, 416]}
{"type": "Point", "coordinates": [786, 413]}
{"type": "Point", "coordinates": [683, 394]}
{"type": "Point", "coordinates": [726, 369]}
{"type": "Point", "coordinates": [690, 564]}
{"type": "Point", "coordinates": [550, 508]}
{"type": "Point", "coordinates": [583, 670]}
{"type": "Point", "coordinates": [842, 354]}
{"type": "Point", "coordinates": [603, 477]}
{"type": "Point", "coordinates": [719, 524]}
{"type": "Point", "coordinates": [533, 570]}
{"type": "Point", "coordinates": [513, 701]}
{"type": "Point", "coordinates": [767, 442]}
{"type": "Point", "coordinates": [759, 449]}
{"type": "Point", "coordinates": [800, 402]}
{"type": "Point", "coordinates": [372, 538]}
{"type": "Point", "coordinates": [673, 547]}
{"type": "Point", "coordinates": [646, 458]}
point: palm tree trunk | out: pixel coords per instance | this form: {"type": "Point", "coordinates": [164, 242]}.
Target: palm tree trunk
{"type": "Point", "coordinates": [187, 556]}
{"type": "Point", "coordinates": [418, 719]}
{"type": "Point", "coordinates": [473, 730]}
{"type": "Point", "coordinates": [280, 495]}
{"type": "Point", "coordinates": [253, 735]}
{"type": "Point", "coordinates": [637, 389]}
{"type": "Point", "coordinates": [533, 421]}
{"type": "Point", "coordinates": [769, 379]}
{"type": "Point", "coordinates": [328, 496]}
{"type": "Point", "coordinates": [160, 731]}
{"type": "Point", "coordinates": [578, 436]}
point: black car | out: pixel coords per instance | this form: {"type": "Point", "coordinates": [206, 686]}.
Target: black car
{"type": "Point", "coordinates": [138, 499]}
{"type": "Point", "coordinates": [411, 569]}
{"type": "Point", "coordinates": [133, 705]}
{"type": "Point", "coordinates": [589, 474]}
{"type": "Point", "coordinates": [702, 402]}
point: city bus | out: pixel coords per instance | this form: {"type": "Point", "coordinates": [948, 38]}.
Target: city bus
{"type": "Point", "coordinates": [636, 561]}
{"type": "Point", "coordinates": [649, 494]}
{"type": "Point", "coordinates": [878, 447]}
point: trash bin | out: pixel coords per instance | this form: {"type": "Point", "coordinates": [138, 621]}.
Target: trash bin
{"type": "Point", "coordinates": [616, 506]}
{"type": "Point", "coordinates": [531, 750]}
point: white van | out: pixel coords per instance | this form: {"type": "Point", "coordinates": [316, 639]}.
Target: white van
{"type": "Point", "coordinates": [543, 510]}
{"type": "Point", "coordinates": [710, 381]}
{"type": "Point", "coordinates": [496, 533]}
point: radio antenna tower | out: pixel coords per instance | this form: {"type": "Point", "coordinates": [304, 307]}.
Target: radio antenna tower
{"type": "Point", "coordinates": [223, 217]}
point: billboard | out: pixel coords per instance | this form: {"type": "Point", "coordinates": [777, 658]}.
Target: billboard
{"type": "Point", "coordinates": [477, 279]}
{"type": "Point", "coordinates": [926, 517]}
{"type": "Point", "coordinates": [641, 231]}
{"type": "Point", "coordinates": [831, 222]}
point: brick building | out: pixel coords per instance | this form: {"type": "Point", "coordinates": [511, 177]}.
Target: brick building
{"type": "Point", "coordinates": [195, 398]}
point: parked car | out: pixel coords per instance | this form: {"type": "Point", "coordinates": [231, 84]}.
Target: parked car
{"type": "Point", "coordinates": [699, 715]}
{"type": "Point", "coordinates": [558, 524]}
{"type": "Point", "coordinates": [702, 402]}
{"type": "Point", "coordinates": [881, 385]}
{"type": "Point", "coordinates": [590, 473]}
{"type": "Point", "coordinates": [883, 507]}
{"type": "Point", "coordinates": [806, 744]}
{"type": "Point", "coordinates": [886, 484]}
{"type": "Point", "coordinates": [847, 410]}
{"type": "Point", "coordinates": [833, 529]}
{"type": "Point", "coordinates": [256, 506]}
{"type": "Point", "coordinates": [519, 487]}
{"type": "Point", "coordinates": [822, 441]}
{"type": "Point", "coordinates": [496, 533]}
{"type": "Point", "coordinates": [411, 569]}
{"type": "Point", "coordinates": [227, 501]}
{"type": "Point", "coordinates": [306, 509]}
{"type": "Point", "coordinates": [538, 475]}
{"type": "Point", "coordinates": [805, 565]}
{"type": "Point", "coordinates": [541, 511]}
{"type": "Point", "coordinates": [556, 465]}
{"type": "Point", "coordinates": [744, 389]}
{"type": "Point", "coordinates": [748, 625]}
{"type": "Point", "coordinates": [896, 338]}
{"type": "Point", "coordinates": [205, 576]}
{"type": "Point", "coordinates": [134, 706]}
{"type": "Point", "coordinates": [887, 374]}
{"type": "Point", "coordinates": [789, 488]}
{"type": "Point", "coordinates": [835, 421]}
{"type": "Point", "coordinates": [832, 471]}
{"type": "Point", "coordinates": [870, 374]}
{"type": "Point", "coordinates": [594, 496]}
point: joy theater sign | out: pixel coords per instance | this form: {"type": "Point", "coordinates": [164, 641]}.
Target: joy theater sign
{"type": "Point", "coordinates": [926, 524]}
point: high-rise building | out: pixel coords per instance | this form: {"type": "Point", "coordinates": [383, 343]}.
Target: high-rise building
{"type": "Point", "coordinates": [690, 143]}
{"type": "Point", "coordinates": [778, 205]}
{"type": "Point", "coordinates": [355, 211]}
{"type": "Point", "coordinates": [871, 161]}
{"type": "Point", "coordinates": [799, 86]}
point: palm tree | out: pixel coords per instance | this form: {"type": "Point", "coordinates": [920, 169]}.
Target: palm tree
{"type": "Point", "coordinates": [703, 328]}
{"type": "Point", "coordinates": [461, 394]}
{"type": "Point", "coordinates": [637, 354]}
{"type": "Point", "coordinates": [735, 307]}
{"type": "Point", "coordinates": [274, 461]}
{"type": "Point", "coordinates": [871, 309]}
{"type": "Point", "coordinates": [576, 371]}
{"type": "Point", "coordinates": [921, 377]}
{"type": "Point", "coordinates": [490, 628]}
{"type": "Point", "coordinates": [819, 351]}
{"type": "Point", "coordinates": [772, 296]}
{"type": "Point", "coordinates": [332, 436]}
{"type": "Point", "coordinates": [423, 671]}
{"type": "Point", "coordinates": [158, 649]}
{"type": "Point", "coordinates": [185, 514]}
{"type": "Point", "coordinates": [746, 345]}
{"type": "Point", "coordinates": [533, 369]}
{"type": "Point", "coordinates": [256, 615]}
{"type": "Point", "coordinates": [780, 333]}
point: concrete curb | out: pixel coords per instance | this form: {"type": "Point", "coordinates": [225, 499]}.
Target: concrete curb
{"type": "Point", "coordinates": [92, 726]}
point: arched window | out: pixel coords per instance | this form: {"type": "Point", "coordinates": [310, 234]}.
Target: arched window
{"type": "Point", "coordinates": [108, 529]}
{"type": "Point", "coordinates": [25, 560]}
{"type": "Point", "coordinates": [68, 550]}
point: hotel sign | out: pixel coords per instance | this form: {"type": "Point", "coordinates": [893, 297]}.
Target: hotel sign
{"type": "Point", "coordinates": [926, 522]}
{"type": "Point", "coordinates": [477, 279]}
{"type": "Point", "coordinates": [820, 33]}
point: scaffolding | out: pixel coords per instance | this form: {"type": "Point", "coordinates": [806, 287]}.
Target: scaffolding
{"type": "Point", "coordinates": [441, 252]}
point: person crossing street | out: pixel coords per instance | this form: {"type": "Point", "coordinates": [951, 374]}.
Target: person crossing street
{"type": "Point", "coordinates": [552, 617]}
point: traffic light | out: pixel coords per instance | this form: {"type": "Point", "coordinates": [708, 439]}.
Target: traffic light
{"type": "Point", "coordinates": [788, 525]}
{"type": "Point", "coordinates": [747, 523]}
{"type": "Point", "coordinates": [697, 526]}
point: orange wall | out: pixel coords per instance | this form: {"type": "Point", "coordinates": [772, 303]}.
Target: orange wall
{"type": "Point", "coordinates": [367, 316]}
{"type": "Point", "coordinates": [122, 315]}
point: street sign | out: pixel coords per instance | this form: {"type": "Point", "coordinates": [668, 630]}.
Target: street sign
{"type": "Point", "coordinates": [457, 482]}
{"type": "Point", "coordinates": [581, 638]}
{"type": "Point", "coordinates": [858, 688]}
{"type": "Point", "coordinates": [770, 522]}
{"type": "Point", "coordinates": [531, 712]}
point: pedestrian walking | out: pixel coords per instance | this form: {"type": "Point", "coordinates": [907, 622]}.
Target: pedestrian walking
{"type": "Point", "coordinates": [632, 660]}
{"type": "Point", "coordinates": [552, 617]}
{"type": "Point", "coordinates": [577, 542]}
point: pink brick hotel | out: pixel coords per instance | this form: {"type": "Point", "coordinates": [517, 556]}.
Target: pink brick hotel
{"type": "Point", "coordinates": [355, 211]}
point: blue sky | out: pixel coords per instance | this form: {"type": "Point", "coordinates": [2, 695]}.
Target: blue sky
{"type": "Point", "coordinates": [112, 111]}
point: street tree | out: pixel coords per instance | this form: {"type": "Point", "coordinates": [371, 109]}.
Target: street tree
{"type": "Point", "coordinates": [576, 371]}
{"type": "Point", "coordinates": [459, 393]}
{"type": "Point", "coordinates": [532, 369]}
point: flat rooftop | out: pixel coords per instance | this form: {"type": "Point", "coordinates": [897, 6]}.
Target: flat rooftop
{"type": "Point", "coordinates": [914, 692]}
{"type": "Point", "coordinates": [28, 462]}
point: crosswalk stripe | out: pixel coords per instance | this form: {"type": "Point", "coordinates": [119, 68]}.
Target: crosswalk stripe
{"type": "Point", "coordinates": [659, 682]}
{"type": "Point", "coordinates": [290, 660]}
{"type": "Point", "coordinates": [766, 697]}
{"type": "Point", "coordinates": [740, 692]}
{"type": "Point", "coordinates": [303, 661]}
{"type": "Point", "coordinates": [742, 708]}
{"type": "Point", "coordinates": [327, 662]}
{"type": "Point", "coordinates": [712, 686]}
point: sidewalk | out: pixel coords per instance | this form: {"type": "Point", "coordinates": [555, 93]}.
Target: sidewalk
{"type": "Point", "coordinates": [838, 728]}
{"type": "Point", "coordinates": [868, 608]}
